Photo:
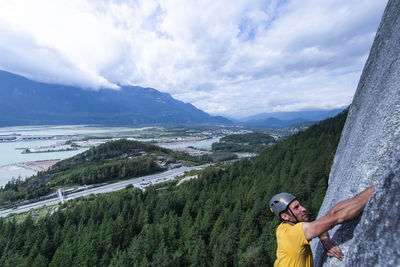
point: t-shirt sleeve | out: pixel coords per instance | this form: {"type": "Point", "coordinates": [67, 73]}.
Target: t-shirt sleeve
{"type": "Point", "coordinates": [297, 234]}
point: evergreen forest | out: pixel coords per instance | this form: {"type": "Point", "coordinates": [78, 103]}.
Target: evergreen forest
{"type": "Point", "coordinates": [221, 218]}
{"type": "Point", "coordinates": [250, 142]}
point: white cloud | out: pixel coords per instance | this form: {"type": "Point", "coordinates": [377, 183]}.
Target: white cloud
{"type": "Point", "coordinates": [232, 58]}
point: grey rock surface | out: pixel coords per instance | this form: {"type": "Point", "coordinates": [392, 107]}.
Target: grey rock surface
{"type": "Point", "coordinates": [368, 154]}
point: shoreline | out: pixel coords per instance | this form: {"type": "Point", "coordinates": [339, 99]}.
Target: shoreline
{"type": "Point", "coordinates": [24, 169]}
{"type": "Point", "coordinates": [37, 165]}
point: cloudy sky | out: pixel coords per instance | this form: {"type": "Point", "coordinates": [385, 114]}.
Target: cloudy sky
{"type": "Point", "coordinates": [227, 57]}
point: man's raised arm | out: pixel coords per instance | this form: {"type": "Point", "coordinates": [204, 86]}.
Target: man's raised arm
{"type": "Point", "coordinates": [343, 211]}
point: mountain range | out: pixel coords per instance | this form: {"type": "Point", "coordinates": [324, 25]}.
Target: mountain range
{"type": "Point", "coordinates": [27, 102]}
{"type": "Point", "coordinates": [284, 119]}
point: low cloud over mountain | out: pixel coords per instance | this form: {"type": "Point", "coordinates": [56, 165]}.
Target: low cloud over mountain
{"type": "Point", "coordinates": [25, 102]}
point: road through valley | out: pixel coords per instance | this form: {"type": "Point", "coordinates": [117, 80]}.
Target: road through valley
{"type": "Point", "coordinates": [139, 182]}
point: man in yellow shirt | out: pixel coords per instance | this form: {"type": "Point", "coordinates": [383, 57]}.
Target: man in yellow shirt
{"type": "Point", "coordinates": [294, 234]}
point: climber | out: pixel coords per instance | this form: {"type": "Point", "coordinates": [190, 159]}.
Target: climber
{"type": "Point", "coordinates": [294, 234]}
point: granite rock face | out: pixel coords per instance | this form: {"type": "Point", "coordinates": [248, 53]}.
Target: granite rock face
{"type": "Point", "coordinates": [368, 154]}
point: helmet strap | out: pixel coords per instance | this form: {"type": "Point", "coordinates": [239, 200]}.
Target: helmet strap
{"type": "Point", "coordinates": [293, 216]}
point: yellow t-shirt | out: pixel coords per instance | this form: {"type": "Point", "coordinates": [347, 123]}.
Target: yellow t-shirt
{"type": "Point", "coordinates": [293, 247]}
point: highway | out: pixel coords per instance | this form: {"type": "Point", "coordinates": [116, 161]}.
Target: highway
{"type": "Point", "coordinates": [139, 182]}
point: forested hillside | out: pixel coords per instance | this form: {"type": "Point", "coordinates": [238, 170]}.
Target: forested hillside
{"type": "Point", "coordinates": [250, 142]}
{"type": "Point", "coordinates": [220, 219]}
{"type": "Point", "coordinates": [111, 161]}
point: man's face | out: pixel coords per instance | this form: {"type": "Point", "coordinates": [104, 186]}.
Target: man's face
{"type": "Point", "coordinates": [298, 210]}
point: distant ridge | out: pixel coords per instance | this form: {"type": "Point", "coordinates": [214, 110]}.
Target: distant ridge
{"type": "Point", "coordinates": [26, 102]}
{"type": "Point", "coordinates": [284, 119]}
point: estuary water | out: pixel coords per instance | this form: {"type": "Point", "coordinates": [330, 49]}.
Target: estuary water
{"type": "Point", "coordinates": [11, 158]}
{"type": "Point", "coordinates": [11, 151]}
